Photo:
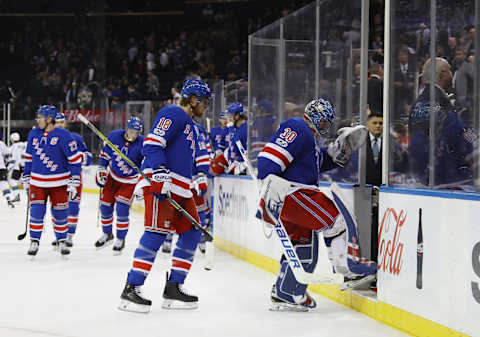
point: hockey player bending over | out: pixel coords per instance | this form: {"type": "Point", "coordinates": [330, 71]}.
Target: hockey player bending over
{"type": "Point", "coordinates": [52, 169]}
{"type": "Point", "coordinates": [74, 197]}
{"type": "Point", "coordinates": [169, 151]}
{"type": "Point", "coordinates": [117, 180]}
{"type": "Point", "coordinates": [289, 166]}
{"type": "Point", "coordinates": [6, 164]}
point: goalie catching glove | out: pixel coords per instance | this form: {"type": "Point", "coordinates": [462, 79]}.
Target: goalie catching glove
{"type": "Point", "coordinates": [349, 140]}
{"type": "Point", "coordinates": [161, 183]}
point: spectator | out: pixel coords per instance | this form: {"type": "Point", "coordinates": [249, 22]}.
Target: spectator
{"type": "Point", "coordinates": [404, 83]}
{"type": "Point", "coordinates": [375, 88]}
{"type": "Point", "coordinates": [72, 96]}
{"type": "Point", "coordinates": [374, 148]}
{"type": "Point", "coordinates": [152, 85]}
{"type": "Point", "coordinates": [451, 146]}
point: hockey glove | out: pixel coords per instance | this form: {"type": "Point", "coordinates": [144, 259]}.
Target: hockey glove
{"type": "Point", "coordinates": [161, 183]}
{"type": "Point", "coordinates": [25, 181]}
{"type": "Point", "coordinates": [349, 140]}
{"type": "Point", "coordinates": [73, 183]}
{"type": "Point", "coordinates": [101, 177]}
{"type": "Point", "coordinates": [200, 184]}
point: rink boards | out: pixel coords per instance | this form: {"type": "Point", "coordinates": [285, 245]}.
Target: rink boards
{"type": "Point", "coordinates": [448, 302]}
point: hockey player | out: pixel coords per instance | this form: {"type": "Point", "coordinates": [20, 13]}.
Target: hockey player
{"type": "Point", "coordinates": [75, 197]}
{"type": "Point", "coordinates": [117, 180]}
{"type": "Point", "coordinates": [289, 166]}
{"type": "Point", "coordinates": [169, 151]}
{"type": "Point", "coordinates": [217, 135]}
{"type": "Point", "coordinates": [6, 164]}
{"type": "Point", "coordinates": [52, 169]}
{"type": "Point", "coordinates": [17, 151]}
{"type": "Point", "coordinates": [231, 160]}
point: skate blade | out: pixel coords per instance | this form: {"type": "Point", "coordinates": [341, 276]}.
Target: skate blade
{"type": "Point", "coordinates": [353, 284]}
{"type": "Point", "coordinates": [287, 307]}
{"type": "Point", "coordinates": [117, 252]}
{"type": "Point", "coordinates": [179, 305]}
{"type": "Point", "coordinates": [133, 307]}
{"type": "Point", "coordinates": [32, 257]}
{"type": "Point", "coordinates": [208, 267]}
{"type": "Point", "coordinates": [108, 243]}
{"type": "Point", "coordinates": [65, 257]}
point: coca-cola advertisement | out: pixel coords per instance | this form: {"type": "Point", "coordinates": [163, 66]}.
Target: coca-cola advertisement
{"type": "Point", "coordinates": [390, 241]}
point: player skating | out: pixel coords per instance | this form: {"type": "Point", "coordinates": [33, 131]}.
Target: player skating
{"type": "Point", "coordinates": [117, 180]}
{"type": "Point", "coordinates": [17, 151]}
{"type": "Point", "coordinates": [289, 166]}
{"type": "Point", "coordinates": [169, 151]}
{"type": "Point", "coordinates": [75, 196]}
{"type": "Point", "coordinates": [6, 164]}
{"type": "Point", "coordinates": [52, 169]}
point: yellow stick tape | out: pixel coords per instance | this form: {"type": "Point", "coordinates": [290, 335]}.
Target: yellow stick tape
{"type": "Point", "coordinates": [380, 311]}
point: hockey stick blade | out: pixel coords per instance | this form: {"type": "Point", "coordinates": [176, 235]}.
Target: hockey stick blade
{"type": "Point", "coordinates": [175, 205]}
{"type": "Point", "coordinates": [356, 283]}
{"type": "Point", "coordinates": [24, 234]}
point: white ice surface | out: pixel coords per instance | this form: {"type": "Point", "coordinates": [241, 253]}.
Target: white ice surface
{"type": "Point", "coordinates": [79, 297]}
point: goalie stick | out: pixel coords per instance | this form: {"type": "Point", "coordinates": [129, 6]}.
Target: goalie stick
{"type": "Point", "coordinates": [287, 247]}
{"type": "Point", "coordinates": [175, 204]}
{"type": "Point", "coordinates": [24, 234]}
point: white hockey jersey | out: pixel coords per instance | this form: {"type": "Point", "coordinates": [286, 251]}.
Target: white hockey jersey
{"type": "Point", "coordinates": [4, 155]}
{"type": "Point", "coordinates": [17, 152]}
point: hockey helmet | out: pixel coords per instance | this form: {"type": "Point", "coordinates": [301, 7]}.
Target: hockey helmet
{"type": "Point", "coordinates": [134, 123]}
{"type": "Point", "coordinates": [235, 109]}
{"type": "Point", "coordinates": [266, 105]}
{"type": "Point", "coordinates": [60, 116]}
{"type": "Point", "coordinates": [15, 137]}
{"type": "Point", "coordinates": [320, 111]}
{"type": "Point", "coordinates": [47, 111]}
{"type": "Point", "coordinates": [197, 88]}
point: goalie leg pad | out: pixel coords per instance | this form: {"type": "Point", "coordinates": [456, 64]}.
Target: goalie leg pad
{"type": "Point", "coordinates": [144, 257]}
{"type": "Point", "coordinates": [355, 263]}
{"type": "Point", "coordinates": [287, 288]}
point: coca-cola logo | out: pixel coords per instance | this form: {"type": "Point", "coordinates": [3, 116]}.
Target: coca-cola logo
{"type": "Point", "coordinates": [390, 248]}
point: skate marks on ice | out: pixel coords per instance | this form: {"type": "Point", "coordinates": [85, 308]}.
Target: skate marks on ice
{"type": "Point", "coordinates": [79, 297]}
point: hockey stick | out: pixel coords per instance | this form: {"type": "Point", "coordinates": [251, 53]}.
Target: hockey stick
{"type": "Point", "coordinates": [175, 204]}
{"type": "Point", "coordinates": [267, 228]}
{"type": "Point", "coordinates": [24, 234]}
{"type": "Point", "coordinates": [99, 205]}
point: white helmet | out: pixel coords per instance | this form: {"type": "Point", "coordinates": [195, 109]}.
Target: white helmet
{"type": "Point", "coordinates": [14, 137]}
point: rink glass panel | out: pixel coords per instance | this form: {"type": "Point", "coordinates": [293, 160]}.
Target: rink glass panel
{"type": "Point", "coordinates": [308, 54]}
{"type": "Point", "coordinates": [433, 145]}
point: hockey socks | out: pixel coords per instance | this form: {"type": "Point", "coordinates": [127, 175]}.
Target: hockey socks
{"type": "Point", "coordinates": [37, 214]}
{"type": "Point", "coordinates": [144, 257]}
{"type": "Point", "coordinates": [106, 210]}
{"type": "Point", "coordinates": [73, 210]}
{"type": "Point", "coordinates": [123, 211]}
{"type": "Point", "coordinates": [183, 254]}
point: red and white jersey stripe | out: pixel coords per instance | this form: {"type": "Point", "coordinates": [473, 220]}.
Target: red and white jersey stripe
{"type": "Point", "coordinates": [153, 139]}
{"type": "Point", "coordinates": [51, 180]}
{"type": "Point", "coordinates": [203, 160]}
{"type": "Point", "coordinates": [76, 158]}
{"type": "Point", "coordinates": [277, 154]}
{"type": "Point", "coordinates": [125, 180]}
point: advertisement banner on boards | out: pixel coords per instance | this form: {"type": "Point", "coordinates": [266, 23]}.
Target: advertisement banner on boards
{"type": "Point", "coordinates": [428, 259]}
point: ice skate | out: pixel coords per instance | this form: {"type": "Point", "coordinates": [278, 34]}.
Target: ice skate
{"type": "Point", "coordinates": [10, 203]}
{"type": "Point", "coordinates": [201, 247]}
{"type": "Point", "coordinates": [118, 246]}
{"type": "Point", "coordinates": [177, 298]}
{"type": "Point", "coordinates": [132, 299]}
{"type": "Point", "coordinates": [305, 303]}
{"type": "Point", "coordinates": [69, 240]}
{"type": "Point", "coordinates": [33, 250]}
{"type": "Point", "coordinates": [104, 241]}
{"type": "Point", "coordinates": [62, 247]}
{"type": "Point", "coordinates": [167, 247]}
{"type": "Point", "coordinates": [16, 199]}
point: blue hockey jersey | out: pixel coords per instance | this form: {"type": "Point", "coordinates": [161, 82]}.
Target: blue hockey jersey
{"type": "Point", "coordinates": [217, 138]}
{"type": "Point", "coordinates": [202, 155]}
{"type": "Point", "coordinates": [51, 157]}
{"type": "Point", "coordinates": [120, 170]}
{"type": "Point", "coordinates": [87, 155]}
{"type": "Point", "coordinates": [239, 134]}
{"type": "Point", "coordinates": [171, 143]}
{"type": "Point", "coordinates": [292, 154]}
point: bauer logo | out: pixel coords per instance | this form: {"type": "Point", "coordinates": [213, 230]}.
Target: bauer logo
{"type": "Point", "coordinates": [476, 270]}
{"type": "Point", "coordinates": [390, 245]}
{"type": "Point", "coordinates": [231, 203]}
